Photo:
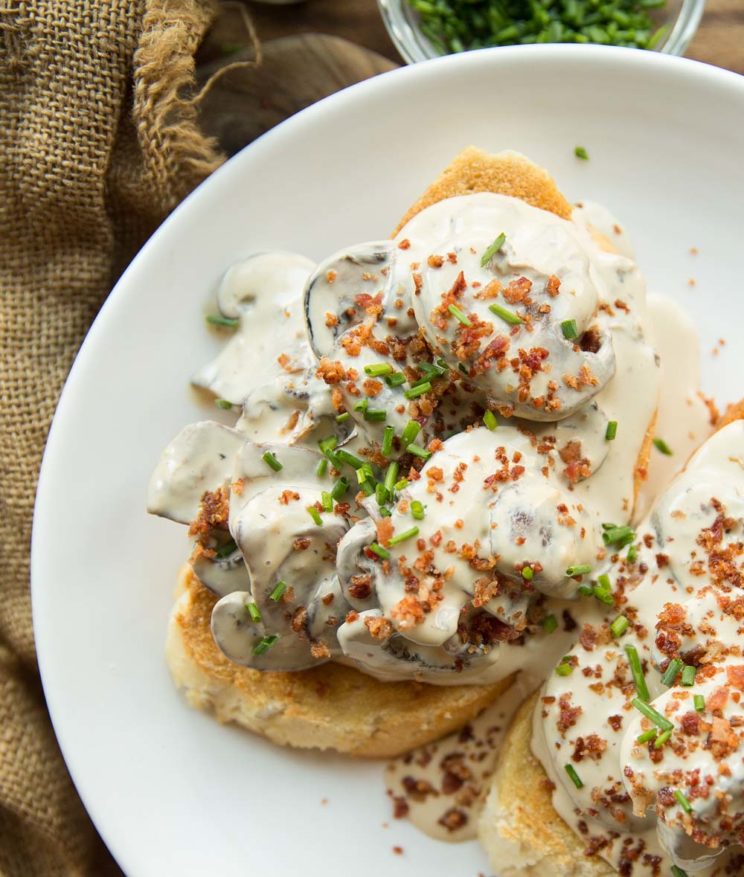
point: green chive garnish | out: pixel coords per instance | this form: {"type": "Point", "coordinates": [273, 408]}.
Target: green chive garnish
{"type": "Point", "coordinates": [653, 715]}
{"type": "Point", "coordinates": [570, 330]}
{"type": "Point", "coordinates": [676, 870]}
{"type": "Point", "coordinates": [278, 592]}
{"type": "Point", "coordinates": [362, 405]}
{"type": "Point", "coordinates": [411, 430]}
{"type": "Point", "coordinates": [339, 489]}
{"type": "Point", "coordinates": [395, 379]}
{"type": "Point", "coordinates": [617, 536]}
{"type": "Point", "coordinates": [662, 446]}
{"type": "Point", "coordinates": [406, 534]}
{"type": "Point", "coordinates": [224, 322]}
{"type": "Point", "coordinates": [391, 474]}
{"type": "Point", "coordinates": [326, 445]}
{"type": "Point", "coordinates": [574, 776]}
{"type": "Point", "coordinates": [603, 590]}
{"type": "Point", "coordinates": [417, 510]}
{"type": "Point", "coordinates": [528, 573]}
{"type": "Point", "coordinates": [401, 485]}
{"type": "Point", "coordinates": [581, 569]}
{"type": "Point", "coordinates": [342, 418]}
{"type": "Point", "coordinates": [688, 675]}
{"type": "Point", "coordinates": [265, 643]}
{"type": "Point", "coordinates": [670, 674]}
{"type": "Point", "coordinates": [662, 739]}
{"type": "Point", "coordinates": [379, 551]}
{"type": "Point", "coordinates": [225, 550]}
{"type": "Point", "coordinates": [254, 612]}
{"type": "Point", "coordinates": [619, 626]}
{"type": "Point", "coordinates": [315, 515]}
{"type": "Point", "coordinates": [699, 702]}
{"type": "Point", "coordinates": [682, 801]}
{"type": "Point", "coordinates": [321, 468]}
{"type": "Point", "coordinates": [224, 404]}
{"type": "Point", "coordinates": [491, 251]}
{"type": "Point", "coordinates": [384, 511]}
{"type": "Point", "coordinates": [506, 315]}
{"type": "Point", "coordinates": [611, 430]}
{"type": "Point", "coordinates": [580, 152]}
{"type": "Point", "coordinates": [418, 451]}
{"type": "Point", "coordinates": [367, 488]}
{"type": "Point", "coordinates": [387, 441]}
{"type": "Point", "coordinates": [418, 390]}
{"type": "Point", "coordinates": [489, 420]}
{"type": "Point", "coordinates": [646, 736]}
{"type": "Point", "coordinates": [565, 668]}
{"type": "Point", "coordinates": [375, 415]}
{"type": "Point", "coordinates": [586, 590]}
{"type": "Point", "coordinates": [381, 494]}
{"type": "Point", "coordinates": [632, 554]}
{"type": "Point", "coordinates": [550, 624]}
{"type": "Point", "coordinates": [326, 500]}
{"type": "Point", "coordinates": [346, 457]}
{"type": "Point", "coordinates": [271, 461]}
{"type": "Point", "coordinates": [459, 315]}
{"type": "Point", "coordinates": [378, 369]}
{"type": "Point", "coordinates": [636, 671]}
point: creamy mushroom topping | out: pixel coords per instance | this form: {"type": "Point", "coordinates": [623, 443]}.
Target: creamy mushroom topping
{"type": "Point", "coordinates": [420, 475]}
{"type": "Point", "coordinates": [641, 727]}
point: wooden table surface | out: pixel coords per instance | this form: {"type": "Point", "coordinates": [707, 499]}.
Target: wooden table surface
{"type": "Point", "coordinates": [720, 39]}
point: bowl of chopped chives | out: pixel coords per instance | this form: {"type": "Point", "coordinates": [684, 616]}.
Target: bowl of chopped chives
{"type": "Point", "coordinates": [423, 29]}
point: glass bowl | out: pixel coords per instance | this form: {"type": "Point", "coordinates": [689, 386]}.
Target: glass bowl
{"type": "Point", "coordinates": [681, 17]}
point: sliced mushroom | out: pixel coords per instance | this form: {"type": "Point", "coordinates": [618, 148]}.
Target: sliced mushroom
{"type": "Point", "coordinates": [580, 442]}
{"type": "Point", "coordinates": [200, 458]}
{"type": "Point", "coordinates": [223, 573]}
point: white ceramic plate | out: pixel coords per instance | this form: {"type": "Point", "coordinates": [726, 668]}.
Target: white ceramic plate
{"type": "Point", "coordinates": [170, 790]}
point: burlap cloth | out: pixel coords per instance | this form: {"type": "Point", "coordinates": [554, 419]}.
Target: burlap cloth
{"type": "Point", "coordinates": [97, 145]}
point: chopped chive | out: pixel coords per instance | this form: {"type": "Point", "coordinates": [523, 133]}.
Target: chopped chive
{"type": "Point", "coordinates": [619, 626]}
{"type": "Point", "coordinates": [682, 801]}
{"type": "Point", "coordinates": [580, 152]}
{"type": "Point", "coordinates": [367, 488]}
{"type": "Point", "coordinates": [254, 612]}
{"type": "Point", "coordinates": [395, 379]}
{"type": "Point", "coordinates": [636, 671]}
{"type": "Point", "coordinates": [653, 715]}
{"type": "Point", "coordinates": [550, 624]}
{"type": "Point", "coordinates": [581, 569]}
{"type": "Point", "coordinates": [327, 444]}
{"type": "Point", "coordinates": [387, 441]}
{"type": "Point", "coordinates": [494, 248]}
{"type": "Point", "coordinates": [326, 500]}
{"type": "Point", "coordinates": [662, 739]}
{"type": "Point", "coordinates": [406, 534]}
{"type": "Point", "coordinates": [315, 515]}
{"type": "Point", "coordinates": [646, 736]}
{"type": "Point", "coordinates": [528, 573]}
{"type": "Point", "coordinates": [670, 674]}
{"type": "Point", "coordinates": [632, 554]}
{"type": "Point", "coordinates": [225, 550]}
{"type": "Point", "coordinates": [432, 370]}
{"type": "Point", "coordinates": [418, 451]}
{"type": "Point", "coordinates": [459, 315]}
{"type": "Point", "coordinates": [489, 420]}
{"type": "Point", "coordinates": [565, 668]}
{"type": "Point", "coordinates": [688, 675]}
{"type": "Point", "coordinates": [401, 485]}
{"type": "Point", "coordinates": [339, 489]}
{"type": "Point", "coordinates": [278, 592]}
{"type": "Point", "coordinates": [699, 702]}
{"type": "Point", "coordinates": [379, 551]}
{"type": "Point", "coordinates": [662, 446]}
{"type": "Point", "coordinates": [365, 473]}
{"type": "Point", "coordinates": [570, 330]}
{"type": "Point", "coordinates": [223, 404]}
{"type": "Point", "coordinates": [346, 457]}
{"type": "Point", "coordinates": [586, 590]}
{"type": "Point", "coordinates": [391, 473]}
{"type": "Point", "coordinates": [378, 369]}
{"type": "Point", "coordinates": [603, 590]}
{"type": "Point", "coordinates": [417, 510]}
{"type": "Point", "coordinates": [418, 390]}
{"type": "Point", "coordinates": [611, 431]}
{"type": "Point", "coordinates": [342, 418]}
{"type": "Point", "coordinates": [506, 315]}
{"type": "Point", "coordinates": [375, 415]}
{"type": "Point", "coordinates": [676, 870]}
{"type": "Point", "coordinates": [224, 322]}
{"type": "Point", "coordinates": [410, 431]}
{"type": "Point", "coordinates": [385, 511]}
{"type": "Point", "coordinates": [617, 536]}
{"type": "Point", "coordinates": [265, 643]}
{"type": "Point", "coordinates": [574, 776]}
{"type": "Point", "coordinates": [362, 405]}
{"type": "Point", "coordinates": [381, 494]}
{"type": "Point", "coordinates": [271, 461]}
{"type": "Point", "coordinates": [322, 467]}
{"type": "Point", "coordinates": [461, 367]}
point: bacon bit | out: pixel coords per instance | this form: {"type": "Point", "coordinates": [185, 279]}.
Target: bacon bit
{"type": "Point", "coordinates": [299, 618]}
{"type": "Point", "coordinates": [590, 747]}
{"type": "Point", "coordinates": [494, 350]}
{"type": "Point", "coordinates": [330, 371]}
{"type": "Point", "coordinates": [400, 810]}
{"type": "Point", "coordinates": [452, 258]}
{"type": "Point", "coordinates": [615, 722]}
{"type": "Point", "coordinates": [586, 377]}
{"type": "Point", "coordinates": [722, 740]}
{"type": "Point", "coordinates": [718, 700]}
{"type": "Point", "coordinates": [331, 276]}
{"type": "Point", "coordinates": [588, 637]}
{"type": "Point", "coordinates": [380, 628]}
{"type": "Point", "coordinates": [490, 290]}
{"type": "Point", "coordinates": [327, 599]}
{"type": "Point", "coordinates": [405, 244]}
{"type": "Point", "coordinates": [398, 850]}
{"type": "Point", "coordinates": [372, 388]}
{"type": "Point", "coordinates": [302, 543]}
{"type": "Point", "coordinates": [435, 261]}
{"type": "Point", "coordinates": [288, 496]}
{"type": "Point", "coordinates": [214, 509]}
{"type": "Point", "coordinates": [690, 724]}
{"type": "Point", "coordinates": [569, 714]}
{"type": "Point", "coordinates": [408, 612]}
{"type": "Point", "coordinates": [320, 650]}
{"type": "Point", "coordinates": [384, 530]}
{"type": "Point", "coordinates": [331, 320]}
{"type": "Point", "coordinates": [735, 676]}
{"type": "Point", "coordinates": [417, 283]}
{"type": "Point", "coordinates": [351, 616]}
{"type": "Point", "coordinates": [360, 587]}
{"type": "Point", "coordinates": [518, 291]}
{"type": "Point", "coordinates": [238, 486]}
{"type": "Point", "coordinates": [553, 286]}
{"type": "Point", "coordinates": [453, 819]}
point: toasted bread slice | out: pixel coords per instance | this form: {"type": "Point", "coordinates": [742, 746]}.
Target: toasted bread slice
{"type": "Point", "coordinates": [328, 707]}
{"type": "Point", "coordinates": [333, 706]}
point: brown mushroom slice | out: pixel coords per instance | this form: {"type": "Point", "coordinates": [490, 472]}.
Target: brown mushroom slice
{"type": "Point", "coordinates": [223, 573]}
